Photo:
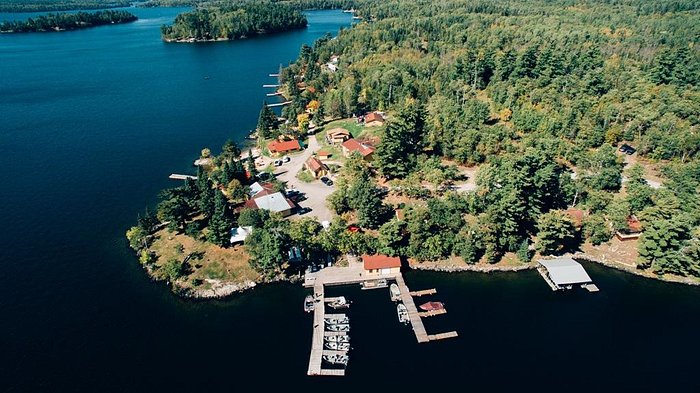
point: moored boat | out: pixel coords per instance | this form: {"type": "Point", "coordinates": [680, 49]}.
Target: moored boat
{"type": "Point", "coordinates": [402, 312]}
{"type": "Point", "coordinates": [309, 303]}
{"type": "Point", "coordinates": [341, 302]}
{"type": "Point", "coordinates": [432, 306]}
{"type": "Point", "coordinates": [395, 292]}
{"type": "Point", "coordinates": [339, 328]}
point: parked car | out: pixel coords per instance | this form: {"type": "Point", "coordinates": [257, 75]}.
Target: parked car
{"type": "Point", "coordinates": [627, 149]}
{"type": "Point", "coordinates": [286, 159]}
{"type": "Point", "coordinates": [327, 181]}
{"type": "Point", "coordinates": [291, 193]}
{"type": "Point", "coordinates": [303, 210]}
{"type": "Point", "coordinates": [278, 162]}
{"type": "Point", "coordinates": [264, 176]}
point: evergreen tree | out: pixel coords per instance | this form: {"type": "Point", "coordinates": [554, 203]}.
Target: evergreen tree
{"type": "Point", "coordinates": [555, 232]}
{"type": "Point", "coordinates": [220, 223]}
{"type": "Point", "coordinates": [206, 198]}
{"type": "Point", "coordinates": [266, 121]}
{"type": "Point", "coordinates": [250, 164]}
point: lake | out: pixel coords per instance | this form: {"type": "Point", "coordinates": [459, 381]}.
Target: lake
{"type": "Point", "coordinates": [91, 124]}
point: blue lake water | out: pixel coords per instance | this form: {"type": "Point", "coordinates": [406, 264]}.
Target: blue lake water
{"type": "Point", "coordinates": [91, 124]}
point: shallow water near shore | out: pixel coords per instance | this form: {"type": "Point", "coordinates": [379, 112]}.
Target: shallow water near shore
{"type": "Point", "coordinates": [91, 124]}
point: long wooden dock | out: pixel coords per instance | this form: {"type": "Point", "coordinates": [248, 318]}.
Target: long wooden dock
{"type": "Point", "coordinates": [432, 313]}
{"type": "Point", "coordinates": [317, 351]}
{"type": "Point", "coordinates": [442, 336]}
{"type": "Point", "coordinates": [414, 317]}
{"type": "Point", "coordinates": [176, 176]}
{"type": "Point", "coordinates": [277, 93]}
{"type": "Point", "coordinates": [271, 86]}
{"type": "Point", "coordinates": [424, 292]}
{"type": "Point", "coordinates": [279, 104]}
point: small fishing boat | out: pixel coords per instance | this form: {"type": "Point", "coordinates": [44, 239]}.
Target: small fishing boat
{"type": "Point", "coordinates": [338, 328]}
{"type": "Point", "coordinates": [340, 303]}
{"type": "Point", "coordinates": [309, 303]}
{"type": "Point", "coordinates": [343, 346]}
{"type": "Point", "coordinates": [338, 339]}
{"type": "Point", "coordinates": [331, 345]}
{"type": "Point", "coordinates": [337, 320]}
{"type": "Point", "coordinates": [395, 292]}
{"type": "Point", "coordinates": [432, 306]}
{"type": "Point", "coordinates": [402, 312]}
{"type": "Point", "coordinates": [337, 359]}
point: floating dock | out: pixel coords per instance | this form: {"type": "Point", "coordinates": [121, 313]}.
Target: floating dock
{"type": "Point", "coordinates": [279, 104]}
{"type": "Point", "coordinates": [424, 292]}
{"type": "Point", "coordinates": [564, 273]}
{"type": "Point", "coordinates": [271, 86]}
{"type": "Point", "coordinates": [432, 313]}
{"type": "Point", "coordinates": [414, 317]}
{"type": "Point", "coordinates": [175, 176]}
{"type": "Point", "coordinates": [278, 93]}
{"type": "Point", "coordinates": [442, 336]}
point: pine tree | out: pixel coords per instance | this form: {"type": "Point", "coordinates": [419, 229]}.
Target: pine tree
{"type": "Point", "coordinates": [252, 170]}
{"type": "Point", "coordinates": [266, 121]}
{"type": "Point", "coordinates": [555, 231]}
{"type": "Point", "coordinates": [220, 223]}
{"type": "Point", "coordinates": [206, 198]}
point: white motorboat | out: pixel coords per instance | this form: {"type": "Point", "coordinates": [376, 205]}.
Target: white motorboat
{"type": "Point", "coordinates": [339, 328]}
{"type": "Point", "coordinates": [309, 303]}
{"type": "Point", "coordinates": [402, 312]}
{"type": "Point", "coordinates": [394, 292]}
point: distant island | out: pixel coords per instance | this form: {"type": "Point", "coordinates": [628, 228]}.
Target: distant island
{"type": "Point", "coordinates": [62, 5]}
{"type": "Point", "coordinates": [63, 22]}
{"type": "Point", "coordinates": [233, 22]}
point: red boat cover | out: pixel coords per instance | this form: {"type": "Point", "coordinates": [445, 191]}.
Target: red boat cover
{"type": "Point", "coordinates": [430, 306]}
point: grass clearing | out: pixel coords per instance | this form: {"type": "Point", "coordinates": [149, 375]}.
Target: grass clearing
{"type": "Point", "coordinates": [224, 264]}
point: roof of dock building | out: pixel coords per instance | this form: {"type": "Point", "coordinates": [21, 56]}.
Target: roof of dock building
{"type": "Point", "coordinates": [565, 271]}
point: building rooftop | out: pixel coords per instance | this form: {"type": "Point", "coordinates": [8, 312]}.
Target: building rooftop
{"type": "Point", "coordinates": [380, 262]}
{"type": "Point", "coordinates": [314, 164]}
{"type": "Point", "coordinates": [565, 271]}
{"type": "Point", "coordinates": [337, 131]}
{"type": "Point", "coordinates": [354, 145]}
{"type": "Point", "coordinates": [275, 202]}
{"type": "Point", "coordinates": [373, 117]}
{"type": "Point", "coordinates": [283, 146]}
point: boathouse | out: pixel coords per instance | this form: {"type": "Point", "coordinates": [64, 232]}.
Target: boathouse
{"type": "Point", "coordinates": [381, 264]}
{"type": "Point", "coordinates": [563, 273]}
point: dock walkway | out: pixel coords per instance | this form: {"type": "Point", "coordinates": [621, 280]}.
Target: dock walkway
{"type": "Point", "coordinates": [416, 322]}
{"type": "Point", "coordinates": [424, 292]}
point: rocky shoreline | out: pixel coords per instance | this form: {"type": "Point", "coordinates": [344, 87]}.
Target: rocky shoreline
{"type": "Point", "coordinates": [452, 268]}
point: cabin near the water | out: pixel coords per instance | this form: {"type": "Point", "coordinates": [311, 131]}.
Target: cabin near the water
{"type": "Point", "coordinates": [381, 264]}
{"type": "Point", "coordinates": [564, 273]}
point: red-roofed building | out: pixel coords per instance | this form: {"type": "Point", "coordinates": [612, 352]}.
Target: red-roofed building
{"type": "Point", "coordinates": [374, 119]}
{"type": "Point", "coordinates": [323, 155]}
{"type": "Point", "coordinates": [315, 167]}
{"type": "Point", "coordinates": [365, 150]}
{"type": "Point", "coordinates": [282, 147]}
{"type": "Point", "coordinates": [381, 264]}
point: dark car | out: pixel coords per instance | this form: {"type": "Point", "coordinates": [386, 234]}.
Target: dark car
{"type": "Point", "coordinates": [296, 198]}
{"type": "Point", "coordinates": [327, 181]}
{"type": "Point", "coordinates": [627, 149]}
{"type": "Point", "coordinates": [303, 210]}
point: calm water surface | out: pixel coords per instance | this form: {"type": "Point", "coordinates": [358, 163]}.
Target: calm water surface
{"type": "Point", "coordinates": [91, 124]}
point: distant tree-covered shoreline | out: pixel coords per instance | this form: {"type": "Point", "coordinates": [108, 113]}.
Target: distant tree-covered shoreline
{"type": "Point", "coordinates": [62, 22]}
{"type": "Point", "coordinates": [233, 22]}
{"type": "Point", "coordinates": [63, 5]}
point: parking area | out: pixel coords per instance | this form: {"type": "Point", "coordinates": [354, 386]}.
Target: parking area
{"type": "Point", "coordinates": [315, 192]}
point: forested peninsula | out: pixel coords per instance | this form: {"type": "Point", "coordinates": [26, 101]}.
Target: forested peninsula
{"type": "Point", "coordinates": [232, 22]}
{"type": "Point", "coordinates": [63, 22]}
{"type": "Point", "coordinates": [59, 5]}
{"type": "Point", "coordinates": [509, 131]}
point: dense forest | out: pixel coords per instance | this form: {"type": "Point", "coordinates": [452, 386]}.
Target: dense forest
{"type": "Point", "coordinates": [234, 21]}
{"type": "Point", "coordinates": [59, 5]}
{"type": "Point", "coordinates": [62, 22]}
{"type": "Point", "coordinates": [538, 97]}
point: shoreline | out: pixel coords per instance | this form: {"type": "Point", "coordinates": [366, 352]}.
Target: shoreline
{"type": "Point", "coordinates": [221, 290]}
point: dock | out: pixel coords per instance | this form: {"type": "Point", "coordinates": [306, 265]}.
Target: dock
{"type": "Point", "coordinates": [271, 86]}
{"type": "Point", "coordinates": [563, 273]}
{"type": "Point", "coordinates": [424, 292]}
{"type": "Point", "coordinates": [274, 75]}
{"type": "Point", "coordinates": [278, 93]}
{"type": "Point", "coordinates": [432, 313]}
{"type": "Point", "coordinates": [176, 176]}
{"type": "Point", "coordinates": [442, 336]}
{"type": "Point", "coordinates": [279, 104]}
{"type": "Point", "coordinates": [414, 317]}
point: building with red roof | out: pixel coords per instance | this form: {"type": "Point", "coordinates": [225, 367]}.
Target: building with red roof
{"type": "Point", "coordinates": [374, 119]}
{"type": "Point", "coordinates": [352, 145]}
{"type": "Point", "coordinates": [315, 167]}
{"type": "Point", "coordinates": [283, 147]}
{"type": "Point", "coordinates": [381, 264]}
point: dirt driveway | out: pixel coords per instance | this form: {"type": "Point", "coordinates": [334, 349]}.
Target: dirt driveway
{"type": "Point", "coordinates": [316, 192]}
